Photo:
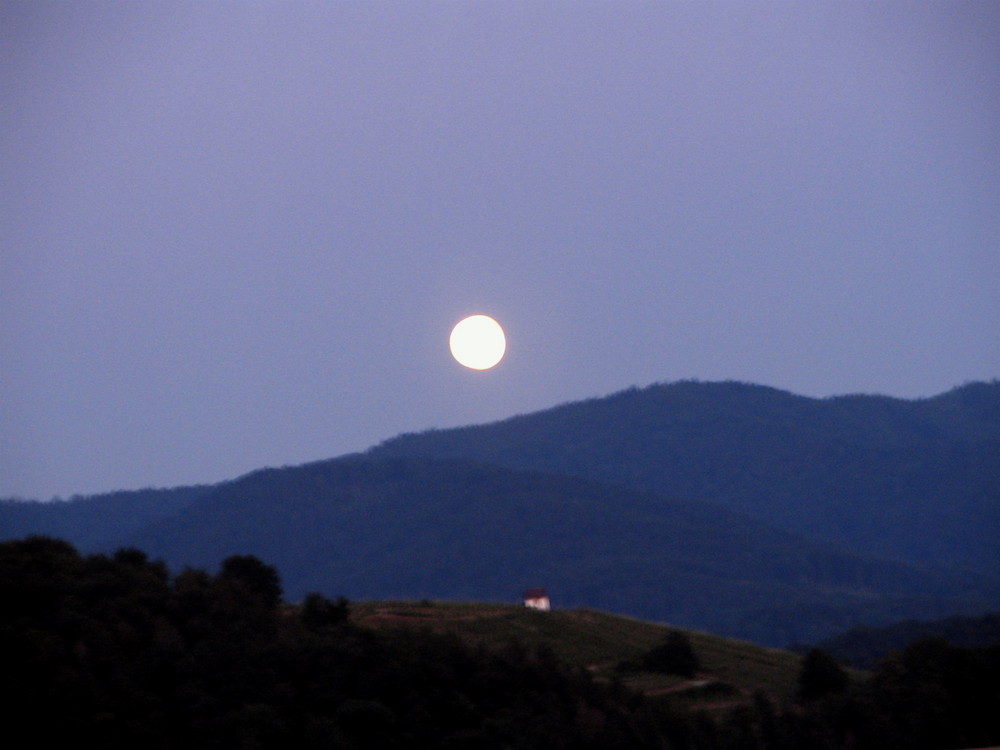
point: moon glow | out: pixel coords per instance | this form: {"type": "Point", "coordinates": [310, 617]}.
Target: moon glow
{"type": "Point", "coordinates": [478, 342]}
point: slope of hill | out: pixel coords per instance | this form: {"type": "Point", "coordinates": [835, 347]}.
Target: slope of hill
{"type": "Point", "coordinates": [412, 528]}
{"type": "Point", "coordinates": [97, 521]}
{"type": "Point", "coordinates": [574, 498]}
{"type": "Point", "coordinates": [865, 646]}
{"type": "Point", "coordinates": [916, 480]}
{"type": "Point", "coordinates": [599, 642]}
{"type": "Point", "coordinates": [115, 651]}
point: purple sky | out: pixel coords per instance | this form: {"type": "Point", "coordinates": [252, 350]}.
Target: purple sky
{"type": "Point", "coordinates": [237, 235]}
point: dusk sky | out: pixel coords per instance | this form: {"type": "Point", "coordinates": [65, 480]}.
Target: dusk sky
{"type": "Point", "coordinates": [237, 234]}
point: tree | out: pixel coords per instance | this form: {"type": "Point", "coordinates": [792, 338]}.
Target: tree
{"type": "Point", "coordinates": [318, 611]}
{"type": "Point", "coordinates": [821, 675]}
{"type": "Point", "coordinates": [253, 577]}
{"type": "Point", "coordinates": [674, 656]}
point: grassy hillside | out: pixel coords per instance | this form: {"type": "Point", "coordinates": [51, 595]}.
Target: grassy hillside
{"type": "Point", "coordinates": [599, 641]}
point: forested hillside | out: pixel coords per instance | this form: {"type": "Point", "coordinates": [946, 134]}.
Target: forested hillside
{"type": "Point", "coordinates": [619, 512]}
{"type": "Point", "coordinates": [113, 652]}
{"type": "Point", "coordinates": [116, 651]}
{"type": "Point", "coordinates": [915, 480]}
{"type": "Point", "coordinates": [414, 528]}
{"type": "Point", "coordinates": [865, 646]}
{"type": "Point", "coordinates": [98, 521]}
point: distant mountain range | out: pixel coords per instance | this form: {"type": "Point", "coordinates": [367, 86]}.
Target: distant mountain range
{"type": "Point", "coordinates": [917, 481]}
{"type": "Point", "coordinates": [732, 508]}
{"type": "Point", "coordinates": [865, 646]}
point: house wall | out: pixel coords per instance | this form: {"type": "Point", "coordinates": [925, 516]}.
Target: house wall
{"type": "Point", "coordinates": [540, 603]}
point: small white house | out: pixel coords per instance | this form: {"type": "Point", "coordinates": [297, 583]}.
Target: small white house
{"type": "Point", "coordinates": [537, 599]}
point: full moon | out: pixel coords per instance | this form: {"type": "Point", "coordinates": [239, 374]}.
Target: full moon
{"type": "Point", "coordinates": [477, 342]}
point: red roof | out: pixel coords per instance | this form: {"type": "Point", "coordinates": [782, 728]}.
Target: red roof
{"type": "Point", "coordinates": [535, 594]}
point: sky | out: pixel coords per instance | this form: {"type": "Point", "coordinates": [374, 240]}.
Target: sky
{"type": "Point", "coordinates": [238, 234]}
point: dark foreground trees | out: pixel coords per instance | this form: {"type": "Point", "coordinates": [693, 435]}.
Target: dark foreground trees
{"type": "Point", "coordinates": [116, 652]}
{"type": "Point", "coordinates": [674, 656]}
{"type": "Point", "coordinates": [820, 675]}
{"type": "Point", "coordinates": [113, 652]}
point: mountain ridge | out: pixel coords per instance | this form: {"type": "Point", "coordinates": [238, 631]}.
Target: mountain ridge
{"type": "Point", "coordinates": [447, 529]}
{"type": "Point", "coordinates": [908, 477]}
{"type": "Point", "coordinates": [584, 511]}
{"type": "Point", "coordinates": [457, 530]}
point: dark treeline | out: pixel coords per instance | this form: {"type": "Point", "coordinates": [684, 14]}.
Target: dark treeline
{"type": "Point", "coordinates": [112, 651]}
{"type": "Point", "coordinates": [115, 651]}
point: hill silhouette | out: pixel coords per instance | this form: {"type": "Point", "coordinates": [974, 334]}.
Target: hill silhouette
{"type": "Point", "coordinates": [393, 528]}
{"type": "Point", "coordinates": [94, 522]}
{"type": "Point", "coordinates": [117, 651]}
{"type": "Point", "coordinates": [918, 480]}
{"type": "Point", "coordinates": [864, 647]}
{"type": "Point", "coordinates": [605, 502]}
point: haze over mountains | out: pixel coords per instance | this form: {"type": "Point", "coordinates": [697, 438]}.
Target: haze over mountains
{"type": "Point", "coordinates": [734, 508]}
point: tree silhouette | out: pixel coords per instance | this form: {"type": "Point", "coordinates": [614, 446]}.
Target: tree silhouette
{"type": "Point", "coordinates": [674, 656]}
{"type": "Point", "coordinates": [318, 611]}
{"type": "Point", "coordinates": [252, 578]}
{"type": "Point", "coordinates": [821, 675]}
